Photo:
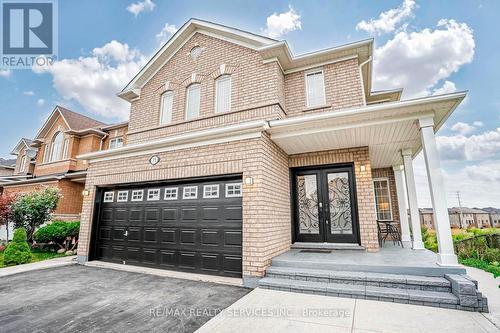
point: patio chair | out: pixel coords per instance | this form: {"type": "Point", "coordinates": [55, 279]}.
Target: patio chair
{"type": "Point", "coordinates": [386, 229]}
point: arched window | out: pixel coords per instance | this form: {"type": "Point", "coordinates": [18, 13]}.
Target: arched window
{"type": "Point", "coordinates": [223, 94]}
{"type": "Point", "coordinates": [193, 96]}
{"type": "Point", "coordinates": [57, 142]}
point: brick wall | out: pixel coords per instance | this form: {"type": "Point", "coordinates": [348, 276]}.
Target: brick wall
{"type": "Point", "coordinates": [71, 199]}
{"type": "Point", "coordinates": [254, 84]}
{"type": "Point", "coordinates": [364, 186]}
{"type": "Point", "coordinates": [266, 203]}
{"type": "Point", "coordinates": [342, 87]}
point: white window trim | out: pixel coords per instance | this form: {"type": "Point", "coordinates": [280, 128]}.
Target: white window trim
{"type": "Point", "coordinates": [46, 153]}
{"type": "Point", "coordinates": [162, 97]}
{"type": "Point", "coordinates": [115, 139]}
{"type": "Point", "coordinates": [388, 193]}
{"type": "Point", "coordinates": [65, 148]}
{"type": "Point", "coordinates": [195, 193]}
{"type": "Point", "coordinates": [137, 191]}
{"type": "Point", "coordinates": [106, 199]}
{"type": "Point", "coordinates": [187, 100]}
{"type": "Point", "coordinates": [234, 195]}
{"type": "Point", "coordinates": [118, 196]}
{"type": "Point", "coordinates": [205, 196]}
{"type": "Point", "coordinates": [312, 71]}
{"type": "Point", "coordinates": [22, 167]}
{"type": "Point", "coordinates": [220, 78]}
{"type": "Point", "coordinates": [156, 197]}
{"type": "Point", "coordinates": [171, 198]}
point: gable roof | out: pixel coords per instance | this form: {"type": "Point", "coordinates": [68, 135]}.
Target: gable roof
{"type": "Point", "coordinates": [7, 164]}
{"type": "Point", "coordinates": [74, 121]}
{"type": "Point", "coordinates": [23, 143]}
{"type": "Point", "coordinates": [270, 50]}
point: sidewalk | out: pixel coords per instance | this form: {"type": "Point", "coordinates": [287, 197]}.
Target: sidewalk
{"type": "Point", "coordinates": [264, 310]}
{"type": "Point", "coordinates": [51, 263]}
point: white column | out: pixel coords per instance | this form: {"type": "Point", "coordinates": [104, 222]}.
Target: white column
{"type": "Point", "coordinates": [403, 209]}
{"type": "Point", "coordinates": [412, 200]}
{"type": "Point", "coordinates": [446, 254]}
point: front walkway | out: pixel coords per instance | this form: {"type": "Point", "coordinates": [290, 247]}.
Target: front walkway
{"type": "Point", "coordinates": [265, 310]}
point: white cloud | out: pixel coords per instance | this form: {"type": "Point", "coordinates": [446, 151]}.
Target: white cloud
{"type": "Point", "coordinates": [389, 20]}
{"type": "Point", "coordinates": [476, 147]}
{"type": "Point", "coordinates": [28, 93]}
{"type": "Point", "coordinates": [40, 102]}
{"type": "Point", "coordinates": [93, 81]}
{"type": "Point", "coordinates": [138, 7]}
{"type": "Point", "coordinates": [446, 88]}
{"type": "Point", "coordinates": [279, 24]}
{"type": "Point", "coordinates": [165, 33]}
{"type": "Point", "coordinates": [471, 181]}
{"type": "Point", "coordinates": [5, 72]}
{"type": "Point", "coordinates": [463, 128]}
{"type": "Point", "coordinates": [419, 60]}
{"type": "Point", "coordinates": [478, 123]}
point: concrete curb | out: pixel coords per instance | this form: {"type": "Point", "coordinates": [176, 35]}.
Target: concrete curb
{"type": "Point", "coordinates": [50, 263]}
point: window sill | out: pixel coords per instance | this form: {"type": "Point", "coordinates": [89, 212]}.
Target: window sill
{"type": "Point", "coordinates": [317, 107]}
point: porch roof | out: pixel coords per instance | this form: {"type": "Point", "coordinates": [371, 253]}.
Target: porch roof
{"type": "Point", "coordinates": [385, 128]}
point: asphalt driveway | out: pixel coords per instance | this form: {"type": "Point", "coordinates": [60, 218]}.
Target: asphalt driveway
{"type": "Point", "coordinates": [89, 299]}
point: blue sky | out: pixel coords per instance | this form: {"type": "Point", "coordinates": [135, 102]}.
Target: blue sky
{"type": "Point", "coordinates": [426, 47]}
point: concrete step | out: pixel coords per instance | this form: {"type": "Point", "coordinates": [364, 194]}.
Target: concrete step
{"type": "Point", "coordinates": [400, 281]}
{"type": "Point", "coordinates": [387, 294]}
{"type": "Point", "coordinates": [327, 246]}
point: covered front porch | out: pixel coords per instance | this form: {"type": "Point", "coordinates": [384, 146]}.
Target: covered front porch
{"type": "Point", "coordinates": [393, 133]}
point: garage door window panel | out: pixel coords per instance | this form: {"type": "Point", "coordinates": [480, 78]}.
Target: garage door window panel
{"type": "Point", "coordinates": [171, 193]}
{"type": "Point", "coordinates": [234, 190]}
{"type": "Point", "coordinates": [211, 191]}
{"type": "Point", "coordinates": [122, 196]}
{"type": "Point", "coordinates": [137, 195]}
{"type": "Point", "coordinates": [154, 194]}
{"type": "Point", "coordinates": [190, 192]}
{"type": "Point", "coordinates": [109, 196]}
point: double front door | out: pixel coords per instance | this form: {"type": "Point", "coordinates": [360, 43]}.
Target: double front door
{"type": "Point", "coordinates": [325, 205]}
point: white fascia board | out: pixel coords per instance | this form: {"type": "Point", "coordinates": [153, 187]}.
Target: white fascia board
{"type": "Point", "coordinates": [256, 126]}
{"type": "Point", "coordinates": [459, 96]}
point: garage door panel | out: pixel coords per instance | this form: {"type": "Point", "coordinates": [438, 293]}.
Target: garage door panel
{"type": "Point", "coordinates": [187, 260]}
{"type": "Point", "coordinates": [199, 232]}
{"type": "Point", "coordinates": [232, 213]}
{"type": "Point", "coordinates": [168, 236]}
{"type": "Point", "coordinates": [189, 214]}
{"type": "Point", "coordinates": [150, 235]}
{"type": "Point", "coordinates": [210, 214]}
{"type": "Point", "coordinates": [210, 238]}
{"type": "Point", "coordinates": [233, 238]}
{"type": "Point", "coordinates": [187, 237]}
{"type": "Point", "coordinates": [169, 214]}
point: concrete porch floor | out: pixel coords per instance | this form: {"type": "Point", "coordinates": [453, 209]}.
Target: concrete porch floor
{"type": "Point", "coordinates": [389, 259]}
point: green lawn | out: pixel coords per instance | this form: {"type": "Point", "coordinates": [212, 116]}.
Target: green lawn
{"type": "Point", "coordinates": [35, 256]}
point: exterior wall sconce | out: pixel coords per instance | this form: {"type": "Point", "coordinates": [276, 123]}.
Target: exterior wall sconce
{"type": "Point", "coordinates": [362, 167]}
{"type": "Point", "coordinates": [85, 193]}
{"type": "Point", "coordinates": [248, 181]}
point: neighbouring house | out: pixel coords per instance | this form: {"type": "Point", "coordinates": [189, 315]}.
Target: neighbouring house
{"type": "Point", "coordinates": [427, 217]}
{"type": "Point", "coordinates": [7, 167]}
{"type": "Point", "coordinates": [494, 216]}
{"type": "Point", "coordinates": [464, 217]}
{"type": "Point", "coordinates": [49, 160]}
{"type": "Point", "coordinates": [239, 152]}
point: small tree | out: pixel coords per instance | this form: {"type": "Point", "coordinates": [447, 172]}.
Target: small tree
{"type": "Point", "coordinates": [33, 209]}
{"type": "Point", "coordinates": [64, 234]}
{"type": "Point", "coordinates": [6, 201]}
{"type": "Point", "coordinates": [18, 251]}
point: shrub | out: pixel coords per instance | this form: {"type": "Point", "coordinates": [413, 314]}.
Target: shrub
{"type": "Point", "coordinates": [64, 234]}
{"type": "Point", "coordinates": [492, 255]}
{"type": "Point", "coordinates": [33, 209]}
{"type": "Point", "coordinates": [18, 251]}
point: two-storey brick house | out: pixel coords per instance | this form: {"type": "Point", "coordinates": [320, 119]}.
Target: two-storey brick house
{"type": "Point", "coordinates": [49, 160]}
{"type": "Point", "coordinates": [238, 150]}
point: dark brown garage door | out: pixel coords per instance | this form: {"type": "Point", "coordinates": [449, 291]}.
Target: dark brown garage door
{"type": "Point", "coordinates": [191, 226]}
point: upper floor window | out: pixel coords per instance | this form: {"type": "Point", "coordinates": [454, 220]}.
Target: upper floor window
{"type": "Point", "coordinates": [22, 166]}
{"type": "Point", "coordinates": [46, 153]}
{"type": "Point", "coordinates": [116, 142]}
{"type": "Point", "coordinates": [57, 146]}
{"type": "Point", "coordinates": [193, 97]}
{"type": "Point", "coordinates": [382, 199]}
{"type": "Point", "coordinates": [223, 94]}
{"type": "Point", "coordinates": [167, 100]}
{"type": "Point", "coordinates": [66, 148]}
{"type": "Point", "coordinates": [315, 88]}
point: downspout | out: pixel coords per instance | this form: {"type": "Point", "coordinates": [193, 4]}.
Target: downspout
{"type": "Point", "coordinates": [361, 77]}
{"type": "Point", "coordinates": [102, 140]}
